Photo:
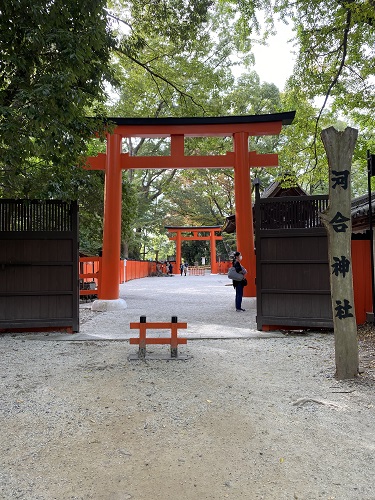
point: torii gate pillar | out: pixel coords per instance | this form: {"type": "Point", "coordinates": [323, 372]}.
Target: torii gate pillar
{"type": "Point", "coordinates": [109, 287]}
{"type": "Point", "coordinates": [178, 252]}
{"type": "Point", "coordinates": [213, 253]}
{"type": "Point", "coordinates": [244, 216]}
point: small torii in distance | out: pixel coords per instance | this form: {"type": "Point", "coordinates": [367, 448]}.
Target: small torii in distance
{"type": "Point", "coordinates": [209, 235]}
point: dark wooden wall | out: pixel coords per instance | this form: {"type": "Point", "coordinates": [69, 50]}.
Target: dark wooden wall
{"type": "Point", "coordinates": [38, 264]}
{"type": "Point", "coordinates": [293, 287]}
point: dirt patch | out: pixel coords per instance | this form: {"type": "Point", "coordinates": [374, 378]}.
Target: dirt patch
{"type": "Point", "coordinates": [244, 418]}
{"type": "Point", "coordinates": [80, 421]}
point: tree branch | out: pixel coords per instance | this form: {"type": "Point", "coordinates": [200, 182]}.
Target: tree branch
{"type": "Point", "coordinates": [344, 46]}
{"type": "Point", "coordinates": [119, 20]}
{"type": "Point", "coordinates": [156, 76]}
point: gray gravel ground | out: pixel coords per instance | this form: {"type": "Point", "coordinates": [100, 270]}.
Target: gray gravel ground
{"type": "Point", "coordinates": [248, 416]}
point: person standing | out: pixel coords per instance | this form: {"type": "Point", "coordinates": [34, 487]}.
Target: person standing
{"type": "Point", "coordinates": [181, 268]}
{"type": "Point", "coordinates": [238, 285]}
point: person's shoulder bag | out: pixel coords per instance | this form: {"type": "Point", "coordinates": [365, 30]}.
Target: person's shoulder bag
{"type": "Point", "coordinates": [234, 275]}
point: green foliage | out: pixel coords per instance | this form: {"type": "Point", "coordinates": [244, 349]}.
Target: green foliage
{"type": "Point", "coordinates": [193, 251]}
{"type": "Point", "coordinates": [201, 196]}
{"type": "Point", "coordinates": [172, 58]}
{"type": "Point", "coordinates": [128, 217]}
{"type": "Point", "coordinates": [54, 62]}
{"type": "Point", "coordinates": [170, 77]}
{"type": "Point", "coordinates": [335, 46]}
{"type": "Point", "coordinates": [300, 153]}
{"type": "Point", "coordinates": [180, 21]}
{"type": "Point", "coordinates": [337, 59]}
{"type": "Point", "coordinates": [250, 96]}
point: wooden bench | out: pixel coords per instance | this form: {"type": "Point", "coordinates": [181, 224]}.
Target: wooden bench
{"type": "Point", "coordinates": [143, 340]}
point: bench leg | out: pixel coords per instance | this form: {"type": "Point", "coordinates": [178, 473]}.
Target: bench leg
{"type": "Point", "coordinates": [142, 338]}
{"type": "Point", "coordinates": [174, 343]}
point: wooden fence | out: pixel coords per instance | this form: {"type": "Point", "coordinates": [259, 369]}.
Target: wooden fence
{"type": "Point", "coordinates": [134, 269]}
{"type": "Point", "coordinates": [361, 267]}
{"type": "Point", "coordinates": [90, 273]}
{"type": "Point", "coordinates": [293, 288]}
{"type": "Point", "coordinates": [38, 264]}
{"type": "Point", "coordinates": [222, 267]}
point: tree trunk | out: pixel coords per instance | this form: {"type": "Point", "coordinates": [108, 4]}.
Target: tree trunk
{"type": "Point", "coordinates": [339, 148]}
{"type": "Point", "coordinates": [124, 249]}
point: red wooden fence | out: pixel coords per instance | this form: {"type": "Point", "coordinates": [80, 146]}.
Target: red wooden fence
{"type": "Point", "coordinates": [135, 269]}
{"type": "Point", "coordinates": [142, 340]}
{"type": "Point", "coordinates": [89, 273]}
{"type": "Point", "coordinates": [361, 266]}
{"type": "Point", "coordinates": [222, 267]}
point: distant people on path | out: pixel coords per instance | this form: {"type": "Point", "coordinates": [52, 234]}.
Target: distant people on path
{"type": "Point", "coordinates": [238, 285]}
{"type": "Point", "coordinates": [167, 267]}
{"type": "Point", "coordinates": [159, 271]}
{"type": "Point", "coordinates": [183, 268]}
{"type": "Point", "coordinates": [170, 268]}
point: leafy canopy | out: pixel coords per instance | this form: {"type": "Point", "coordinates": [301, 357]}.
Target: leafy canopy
{"type": "Point", "coordinates": [54, 64]}
{"type": "Point", "coordinates": [170, 58]}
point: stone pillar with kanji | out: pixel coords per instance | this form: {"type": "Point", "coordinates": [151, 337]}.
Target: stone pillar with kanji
{"type": "Point", "coordinates": [339, 148]}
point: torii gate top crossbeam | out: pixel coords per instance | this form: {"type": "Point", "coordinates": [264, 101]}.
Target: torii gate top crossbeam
{"type": "Point", "coordinates": [179, 230]}
{"type": "Point", "coordinates": [221, 126]}
{"type": "Point", "coordinates": [193, 228]}
{"type": "Point", "coordinates": [179, 128]}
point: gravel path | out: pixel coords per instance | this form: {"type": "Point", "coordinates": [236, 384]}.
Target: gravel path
{"type": "Point", "coordinates": [248, 416]}
{"type": "Point", "coordinates": [206, 303]}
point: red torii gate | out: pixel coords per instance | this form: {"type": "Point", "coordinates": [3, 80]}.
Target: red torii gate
{"type": "Point", "coordinates": [114, 161]}
{"type": "Point", "coordinates": [179, 238]}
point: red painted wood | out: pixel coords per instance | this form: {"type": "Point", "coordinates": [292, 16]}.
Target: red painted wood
{"type": "Point", "coordinates": [361, 267]}
{"type": "Point", "coordinates": [244, 216]}
{"type": "Point", "coordinates": [157, 325]}
{"type": "Point", "coordinates": [112, 220]}
{"type": "Point", "coordinates": [180, 237]}
{"type": "Point", "coordinates": [143, 340]}
{"type": "Point", "coordinates": [161, 340]}
{"type": "Point", "coordinates": [114, 161]}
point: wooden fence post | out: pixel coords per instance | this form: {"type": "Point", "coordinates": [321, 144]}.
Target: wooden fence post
{"type": "Point", "coordinates": [339, 148]}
